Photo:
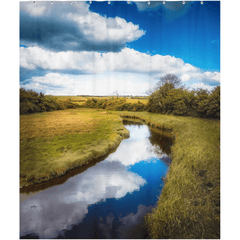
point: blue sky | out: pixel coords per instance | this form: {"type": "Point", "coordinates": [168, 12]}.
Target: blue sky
{"type": "Point", "coordinates": [101, 48]}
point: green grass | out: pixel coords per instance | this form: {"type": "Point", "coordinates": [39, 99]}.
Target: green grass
{"type": "Point", "coordinates": [189, 206]}
{"type": "Point", "coordinates": [55, 142]}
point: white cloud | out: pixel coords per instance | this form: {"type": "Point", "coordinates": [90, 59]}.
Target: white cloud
{"type": "Point", "coordinates": [100, 84]}
{"type": "Point", "coordinates": [35, 9]}
{"type": "Point", "coordinates": [81, 30]}
{"type": "Point", "coordinates": [127, 60]}
{"type": "Point", "coordinates": [103, 73]}
{"type": "Point", "coordinates": [201, 85]}
{"type": "Point", "coordinates": [137, 148]}
{"type": "Point", "coordinates": [103, 29]}
{"type": "Point", "coordinates": [205, 77]}
{"type": "Point", "coordinates": [61, 206]}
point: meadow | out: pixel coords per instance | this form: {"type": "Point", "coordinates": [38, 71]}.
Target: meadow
{"type": "Point", "coordinates": [52, 143]}
{"type": "Point", "coordinates": [80, 100]}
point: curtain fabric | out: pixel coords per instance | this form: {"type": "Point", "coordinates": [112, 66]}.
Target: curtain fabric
{"type": "Point", "coordinates": [84, 63]}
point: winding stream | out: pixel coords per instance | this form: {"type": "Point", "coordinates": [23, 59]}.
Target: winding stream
{"type": "Point", "coordinates": [108, 199]}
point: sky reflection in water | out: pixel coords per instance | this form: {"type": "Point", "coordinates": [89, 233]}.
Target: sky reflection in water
{"type": "Point", "coordinates": [108, 200]}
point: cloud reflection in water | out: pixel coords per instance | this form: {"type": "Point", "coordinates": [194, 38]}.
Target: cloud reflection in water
{"type": "Point", "coordinates": [57, 211]}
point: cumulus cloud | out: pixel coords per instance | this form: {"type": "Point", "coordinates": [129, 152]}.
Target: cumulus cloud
{"type": "Point", "coordinates": [137, 148]}
{"type": "Point", "coordinates": [62, 27]}
{"type": "Point", "coordinates": [52, 210]}
{"type": "Point", "coordinates": [127, 60]}
{"type": "Point", "coordinates": [106, 180]}
{"type": "Point", "coordinates": [201, 85]}
{"type": "Point", "coordinates": [102, 73]}
{"type": "Point", "coordinates": [204, 77]}
{"type": "Point", "coordinates": [100, 84]}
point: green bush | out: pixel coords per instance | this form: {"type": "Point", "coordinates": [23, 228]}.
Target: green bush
{"type": "Point", "coordinates": [117, 104]}
{"type": "Point", "coordinates": [31, 102]}
{"type": "Point", "coordinates": [182, 102]}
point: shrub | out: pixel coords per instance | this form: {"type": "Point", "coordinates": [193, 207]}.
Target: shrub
{"type": "Point", "coordinates": [31, 102]}
{"type": "Point", "coordinates": [179, 101]}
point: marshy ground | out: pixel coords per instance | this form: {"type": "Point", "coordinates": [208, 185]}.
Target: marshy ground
{"type": "Point", "coordinates": [52, 143]}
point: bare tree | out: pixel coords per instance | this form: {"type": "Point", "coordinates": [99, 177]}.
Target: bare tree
{"type": "Point", "coordinates": [170, 78]}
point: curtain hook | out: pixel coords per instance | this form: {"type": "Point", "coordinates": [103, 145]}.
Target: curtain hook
{"type": "Point", "coordinates": [34, 1]}
{"type": "Point", "coordinates": [70, 2]}
{"type": "Point", "coordinates": [51, 2]}
{"type": "Point", "coordinates": [183, 2]}
{"type": "Point", "coordinates": [201, 2]}
{"type": "Point", "coordinates": [109, 2]}
{"type": "Point", "coordinates": [148, 2]}
{"type": "Point", "coordinates": [163, 2]}
{"type": "Point", "coordinates": [90, 2]}
{"type": "Point", "coordinates": [128, 1]}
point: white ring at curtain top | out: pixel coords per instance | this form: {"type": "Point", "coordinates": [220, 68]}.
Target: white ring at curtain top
{"type": "Point", "coordinates": [127, 2]}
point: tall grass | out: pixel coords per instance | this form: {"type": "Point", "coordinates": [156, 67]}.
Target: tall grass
{"type": "Point", "coordinates": [189, 206]}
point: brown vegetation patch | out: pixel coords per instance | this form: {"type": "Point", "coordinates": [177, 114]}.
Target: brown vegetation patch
{"type": "Point", "coordinates": [56, 124]}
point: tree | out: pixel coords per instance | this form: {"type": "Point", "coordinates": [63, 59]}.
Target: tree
{"type": "Point", "coordinates": [171, 79]}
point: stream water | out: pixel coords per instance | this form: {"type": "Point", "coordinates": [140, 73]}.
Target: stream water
{"type": "Point", "coordinates": [108, 199]}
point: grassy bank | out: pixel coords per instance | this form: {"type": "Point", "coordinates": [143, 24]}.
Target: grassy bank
{"type": "Point", "coordinates": [189, 206]}
{"type": "Point", "coordinates": [52, 143]}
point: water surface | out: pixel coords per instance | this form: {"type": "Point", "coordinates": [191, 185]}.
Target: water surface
{"type": "Point", "coordinates": [108, 199]}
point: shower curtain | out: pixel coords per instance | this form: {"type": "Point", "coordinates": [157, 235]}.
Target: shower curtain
{"type": "Point", "coordinates": [160, 57]}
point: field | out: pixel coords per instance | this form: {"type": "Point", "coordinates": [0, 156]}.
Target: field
{"type": "Point", "coordinates": [52, 143]}
{"type": "Point", "coordinates": [82, 99]}
{"type": "Point", "coordinates": [189, 206]}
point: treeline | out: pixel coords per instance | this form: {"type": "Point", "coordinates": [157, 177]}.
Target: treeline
{"type": "Point", "coordinates": [115, 103]}
{"type": "Point", "coordinates": [169, 98]}
{"type": "Point", "coordinates": [31, 102]}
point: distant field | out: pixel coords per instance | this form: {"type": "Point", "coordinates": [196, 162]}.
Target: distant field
{"type": "Point", "coordinates": [81, 100]}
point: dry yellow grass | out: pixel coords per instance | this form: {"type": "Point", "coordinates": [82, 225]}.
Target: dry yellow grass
{"type": "Point", "coordinates": [57, 123]}
{"type": "Point", "coordinates": [53, 143]}
{"type": "Point", "coordinates": [130, 100]}
{"type": "Point", "coordinates": [81, 100]}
